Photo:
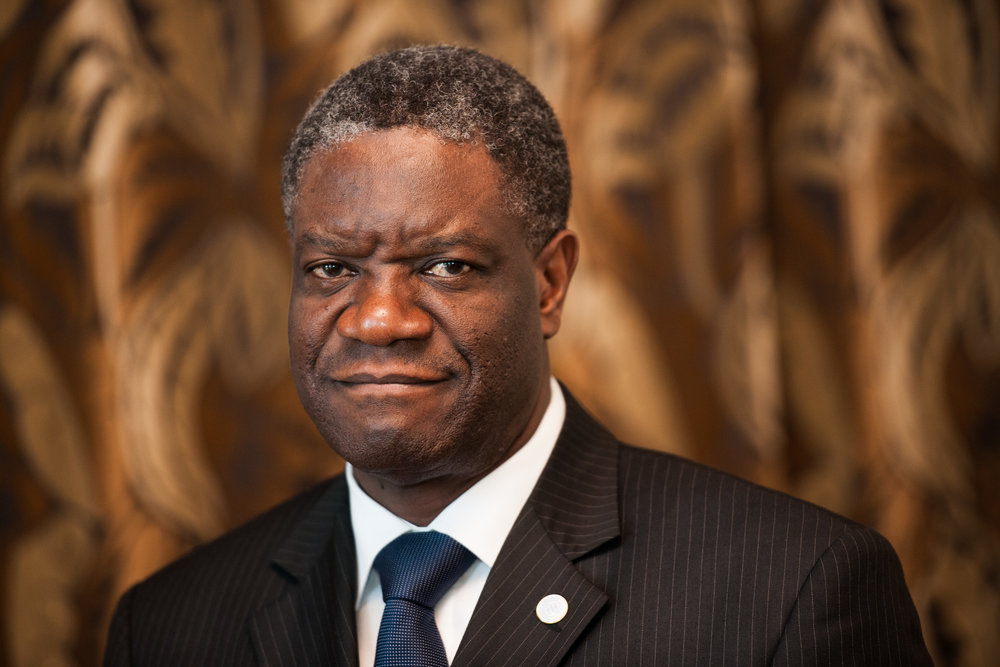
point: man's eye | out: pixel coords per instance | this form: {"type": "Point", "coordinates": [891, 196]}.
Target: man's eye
{"type": "Point", "coordinates": [329, 270]}
{"type": "Point", "coordinates": [448, 269]}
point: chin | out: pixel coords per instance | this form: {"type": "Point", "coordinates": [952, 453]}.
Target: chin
{"type": "Point", "coordinates": [391, 451]}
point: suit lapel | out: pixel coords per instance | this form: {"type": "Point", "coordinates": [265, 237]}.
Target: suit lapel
{"type": "Point", "coordinates": [311, 620]}
{"type": "Point", "coordinates": [572, 511]}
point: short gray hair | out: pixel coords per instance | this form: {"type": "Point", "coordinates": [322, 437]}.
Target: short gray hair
{"type": "Point", "coordinates": [460, 95]}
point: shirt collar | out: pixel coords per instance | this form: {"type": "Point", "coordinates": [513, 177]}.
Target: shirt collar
{"type": "Point", "coordinates": [481, 517]}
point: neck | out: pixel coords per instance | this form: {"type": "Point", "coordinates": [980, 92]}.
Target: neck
{"type": "Point", "coordinates": [420, 501]}
{"type": "Point", "coordinates": [417, 503]}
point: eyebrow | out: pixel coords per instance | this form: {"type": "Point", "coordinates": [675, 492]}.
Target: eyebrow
{"type": "Point", "coordinates": [328, 242]}
{"type": "Point", "coordinates": [446, 242]}
{"type": "Point", "coordinates": [429, 245]}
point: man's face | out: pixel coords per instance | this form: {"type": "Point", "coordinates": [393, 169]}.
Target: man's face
{"type": "Point", "coordinates": [415, 325]}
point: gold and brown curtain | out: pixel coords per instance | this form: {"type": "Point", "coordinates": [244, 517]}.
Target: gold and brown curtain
{"type": "Point", "coordinates": [790, 212]}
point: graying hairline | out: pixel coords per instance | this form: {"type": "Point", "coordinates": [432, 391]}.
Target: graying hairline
{"type": "Point", "coordinates": [333, 136]}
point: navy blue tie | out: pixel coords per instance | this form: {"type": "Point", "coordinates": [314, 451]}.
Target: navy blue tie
{"type": "Point", "coordinates": [416, 570]}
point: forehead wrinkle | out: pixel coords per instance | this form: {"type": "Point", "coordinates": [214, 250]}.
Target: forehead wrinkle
{"type": "Point", "coordinates": [447, 241]}
{"type": "Point", "coordinates": [330, 241]}
{"type": "Point", "coordinates": [409, 242]}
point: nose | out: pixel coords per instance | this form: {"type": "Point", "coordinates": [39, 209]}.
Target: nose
{"type": "Point", "coordinates": [383, 313]}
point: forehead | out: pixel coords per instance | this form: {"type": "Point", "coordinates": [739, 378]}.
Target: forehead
{"type": "Point", "coordinates": [403, 183]}
{"type": "Point", "coordinates": [408, 164]}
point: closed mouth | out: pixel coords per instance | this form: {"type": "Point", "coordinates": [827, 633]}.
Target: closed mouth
{"type": "Point", "coordinates": [393, 378]}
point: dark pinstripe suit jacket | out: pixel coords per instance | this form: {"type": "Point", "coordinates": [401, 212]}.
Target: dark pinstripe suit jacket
{"type": "Point", "coordinates": [662, 561]}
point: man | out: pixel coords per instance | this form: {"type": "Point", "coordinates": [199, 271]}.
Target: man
{"type": "Point", "coordinates": [426, 194]}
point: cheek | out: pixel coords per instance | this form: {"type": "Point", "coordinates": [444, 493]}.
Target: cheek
{"type": "Point", "coordinates": [506, 340]}
{"type": "Point", "coordinates": [308, 327]}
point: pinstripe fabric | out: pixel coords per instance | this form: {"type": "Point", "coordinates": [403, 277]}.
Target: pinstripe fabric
{"type": "Point", "coordinates": [689, 566]}
{"type": "Point", "coordinates": [277, 591]}
{"type": "Point", "coordinates": [662, 561]}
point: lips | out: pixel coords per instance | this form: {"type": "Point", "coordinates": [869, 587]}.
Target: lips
{"type": "Point", "coordinates": [389, 378]}
{"type": "Point", "coordinates": [384, 384]}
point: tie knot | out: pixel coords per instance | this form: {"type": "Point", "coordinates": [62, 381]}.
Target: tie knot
{"type": "Point", "coordinates": [421, 567]}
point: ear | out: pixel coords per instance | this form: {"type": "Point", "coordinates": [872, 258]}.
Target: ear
{"type": "Point", "coordinates": [554, 268]}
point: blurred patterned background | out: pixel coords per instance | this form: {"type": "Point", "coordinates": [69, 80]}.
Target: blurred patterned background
{"type": "Point", "coordinates": [790, 212]}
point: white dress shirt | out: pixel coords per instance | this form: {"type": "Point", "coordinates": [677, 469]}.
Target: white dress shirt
{"type": "Point", "coordinates": [479, 519]}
